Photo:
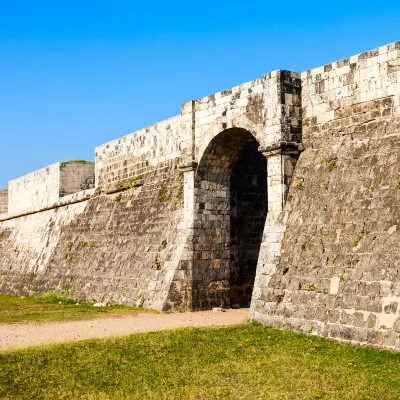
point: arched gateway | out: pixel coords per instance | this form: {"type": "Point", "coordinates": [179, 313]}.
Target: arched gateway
{"type": "Point", "coordinates": [237, 165]}
{"type": "Point", "coordinates": [231, 205]}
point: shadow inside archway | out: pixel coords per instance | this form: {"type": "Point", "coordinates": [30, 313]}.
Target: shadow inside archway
{"type": "Point", "coordinates": [231, 207]}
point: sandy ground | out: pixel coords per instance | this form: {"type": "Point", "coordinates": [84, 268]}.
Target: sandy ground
{"type": "Point", "coordinates": [24, 335]}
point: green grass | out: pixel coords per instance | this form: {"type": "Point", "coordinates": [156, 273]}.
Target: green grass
{"type": "Point", "coordinates": [241, 362]}
{"type": "Point", "coordinates": [81, 161]}
{"type": "Point", "coordinates": [51, 307]}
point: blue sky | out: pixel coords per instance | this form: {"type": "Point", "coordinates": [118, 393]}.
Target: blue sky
{"type": "Point", "coordinates": [76, 74]}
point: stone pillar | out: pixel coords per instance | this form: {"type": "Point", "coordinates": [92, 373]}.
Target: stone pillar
{"type": "Point", "coordinates": [189, 171]}
{"type": "Point", "coordinates": [188, 167]}
{"type": "Point", "coordinates": [188, 121]}
{"type": "Point", "coordinates": [178, 280]}
{"type": "Point", "coordinates": [281, 160]}
{"type": "Point", "coordinates": [176, 290]}
{"type": "Point", "coordinates": [182, 280]}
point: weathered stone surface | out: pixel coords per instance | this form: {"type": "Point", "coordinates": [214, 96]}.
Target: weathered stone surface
{"type": "Point", "coordinates": [43, 188]}
{"type": "Point", "coordinates": [283, 191]}
{"type": "Point", "coordinates": [3, 201]}
{"type": "Point", "coordinates": [344, 203]}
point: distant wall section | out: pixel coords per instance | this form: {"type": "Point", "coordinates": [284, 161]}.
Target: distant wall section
{"type": "Point", "coordinates": [76, 176]}
{"type": "Point", "coordinates": [43, 188]}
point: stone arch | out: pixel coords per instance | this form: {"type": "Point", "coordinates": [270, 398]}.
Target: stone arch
{"type": "Point", "coordinates": [230, 196]}
{"type": "Point", "coordinates": [240, 122]}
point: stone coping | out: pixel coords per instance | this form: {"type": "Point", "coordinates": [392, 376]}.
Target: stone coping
{"type": "Point", "coordinates": [63, 201]}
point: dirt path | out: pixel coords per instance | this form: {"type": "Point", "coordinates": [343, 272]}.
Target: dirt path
{"type": "Point", "coordinates": [25, 335]}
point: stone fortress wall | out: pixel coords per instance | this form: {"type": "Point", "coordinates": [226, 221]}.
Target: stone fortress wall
{"type": "Point", "coordinates": [310, 235]}
{"type": "Point", "coordinates": [339, 271]}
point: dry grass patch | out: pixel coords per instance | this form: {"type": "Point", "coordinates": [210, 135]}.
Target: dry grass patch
{"type": "Point", "coordinates": [51, 307]}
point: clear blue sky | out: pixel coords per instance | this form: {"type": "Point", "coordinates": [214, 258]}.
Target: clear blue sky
{"type": "Point", "coordinates": [76, 74]}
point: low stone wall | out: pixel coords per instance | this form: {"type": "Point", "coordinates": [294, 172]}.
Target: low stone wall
{"type": "Point", "coordinates": [44, 187]}
{"type": "Point", "coordinates": [35, 190]}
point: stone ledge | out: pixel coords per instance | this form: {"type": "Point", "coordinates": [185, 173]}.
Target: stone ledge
{"type": "Point", "coordinates": [281, 148]}
{"type": "Point", "coordinates": [188, 166]}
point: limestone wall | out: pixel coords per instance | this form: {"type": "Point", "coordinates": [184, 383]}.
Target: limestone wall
{"type": "Point", "coordinates": [141, 151]}
{"type": "Point", "coordinates": [34, 191]}
{"type": "Point", "coordinates": [3, 201]}
{"type": "Point", "coordinates": [339, 270]}
{"type": "Point", "coordinates": [76, 176]}
{"type": "Point", "coordinates": [43, 188]}
{"type": "Point", "coordinates": [26, 245]}
{"type": "Point", "coordinates": [121, 248]}
{"type": "Point", "coordinates": [158, 230]}
{"type": "Point", "coordinates": [268, 107]}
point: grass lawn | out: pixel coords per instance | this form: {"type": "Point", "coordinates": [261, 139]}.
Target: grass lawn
{"type": "Point", "coordinates": [50, 307]}
{"type": "Point", "coordinates": [246, 361]}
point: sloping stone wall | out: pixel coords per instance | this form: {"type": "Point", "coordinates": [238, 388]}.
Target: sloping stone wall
{"type": "Point", "coordinates": [119, 248]}
{"type": "Point", "coordinates": [122, 248]}
{"type": "Point", "coordinates": [339, 272]}
{"type": "Point", "coordinates": [26, 246]}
